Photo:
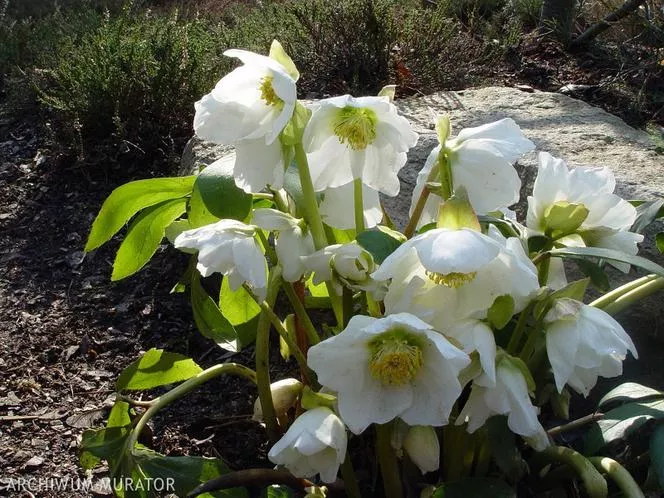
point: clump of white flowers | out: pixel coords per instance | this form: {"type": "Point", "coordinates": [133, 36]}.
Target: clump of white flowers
{"type": "Point", "coordinates": [459, 326]}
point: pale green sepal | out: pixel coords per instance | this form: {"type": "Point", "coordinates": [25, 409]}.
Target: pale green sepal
{"type": "Point", "coordinates": [443, 129]}
{"type": "Point", "coordinates": [518, 364]}
{"type": "Point", "coordinates": [562, 218]}
{"type": "Point", "coordinates": [312, 399]}
{"type": "Point", "coordinates": [289, 325]}
{"type": "Point", "coordinates": [392, 233]}
{"type": "Point", "coordinates": [457, 213]}
{"type": "Point", "coordinates": [501, 311]}
{"type": "Point", "coordinates": [292, 132]}
{"type": "Point", "coordinates": [388, 91]}
{"type": "Point", "coordinates": [278, 53]}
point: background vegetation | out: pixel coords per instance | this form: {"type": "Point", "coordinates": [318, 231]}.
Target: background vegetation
{"type": "Point", "coordinates": [125, 75]}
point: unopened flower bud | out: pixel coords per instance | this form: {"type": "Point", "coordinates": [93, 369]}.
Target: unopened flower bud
{"type": "Point", "coordinates": [421, 444]}
{"type": "Point", "coordinates": [284, 396]}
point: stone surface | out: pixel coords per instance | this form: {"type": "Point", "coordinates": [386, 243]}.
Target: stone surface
{"type": "Point", "coordinates": [568, 128]}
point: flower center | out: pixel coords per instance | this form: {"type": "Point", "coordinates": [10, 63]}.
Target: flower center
{"type": "Point", "coordinates": [453, 279]}
{"type": "Point", "coordinates": [268, 94]}
{"type": "Point", "coordinates": [396, 357]}
{"type": "Point", "coordinates": [355, 126]}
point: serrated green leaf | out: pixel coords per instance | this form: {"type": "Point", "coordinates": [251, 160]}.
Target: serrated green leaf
{"type": "Point", "coordinates": [475, 487]}
{"type": "Point", "coordinates": [501, 311]}
{"type": "Point", "coordinates": [379, 243]}
{"type": "Point", "coordinates": [119, 416]}
{"type": "Point", "coordinates": [210, 322]}
{"type": "Point", "coordinates": [504, 450]}
{"type": "Point", "coordinates": [657, 454]}
{"type": "Point", "coordinates": [130, 198]}
{"type": "Point", "coordinates": [602, 253]}
{"type": "Point", "coordinates": [144, 236]}
{"type": "Point", "coordinates": [620, 422]}
{"type": "Point", "coordinates": [103, 444]}
{"type": "Point", "coordinates": [156, 368]}
{"type": "Point", "coordinates": [218, 191]}
{"type": "Point", "coordinates": [629, 391]}
{"type": "Point", "coordinates": [185, 472]}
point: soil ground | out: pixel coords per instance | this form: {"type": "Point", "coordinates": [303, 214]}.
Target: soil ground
{"type": "Point", "coordinates": [66, 331]}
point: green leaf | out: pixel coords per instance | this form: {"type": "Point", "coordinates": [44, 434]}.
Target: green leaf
{"type": "Point", "coordinates": [319, 290]}
{"type": "Point", "coordinates": [144, 236]}
{"type": "Point", "coordinates": [657, 454]}
{"type": "Point", "coordinates": [275, 491]}
{"type": "Point", "coordinates": [629, 391]}
{"type": "Point", "coordinates": [573, 290]}
{"type": "Point", "coordinates": [278, 54]}
{"type": "Point", "coordinates": [501, 311]}
{"type": "Point", "coordinates": [602, 253]}
{"type": "Point", "coordinates": [198, 214]}
{"type": "Point", "coordinates": [128, 199]}
{"type": "Point", "coordinates": [621, 422]}
{"type": "Point", "coordinates": [379, 243]}
{"type": "Point", "coordinates": [119, 416]}
{"type": "Point", "coordinates": [596, 274]}
{"type": "Point", "coordinates": [156, 368]}
{"type": "Point", "coordinates": [218, 191]}
{"type": "Point", "coordinates": [476, 487]}
{"type": "Point", "coordinates": [103, 444]}
{"type": "Point", "coordinates": [185, 472]}
{"type": "Point", "coordinates": [241, 311]}
{"type": "Point", "coordinates": [646, 213]}
{"type": "Point", "coordinates": [504, 450]}
{"type": "Point", "coordinates": [210, 322]}
{"type": "Point", "coordinates": [659, 241]}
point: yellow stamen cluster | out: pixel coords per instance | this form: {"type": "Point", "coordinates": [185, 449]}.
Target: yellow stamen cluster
{"type": "Point", "coordinates": [355, 126]}
{"type": "Point", "coordinates": [395, 358]}
{"type": "Point", "coordinates": [268, 94]}
{"type": "Point", "coordinates": [453, 279]}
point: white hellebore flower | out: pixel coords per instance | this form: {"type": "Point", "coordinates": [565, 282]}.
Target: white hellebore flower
{"type": "Point", "coordinates": [357, 138]}
{"type": "Point", "coordinates": [284, 396]}
{"type": "Point", "coordinates": [444, 276]}
{"type": "Point", "coordinates": [248, 108]}
{"type": "Point", "coordinates": [480, 160]}
{"type": "Point", "coordinates": [508, 395]}
{"type": "Point", "coordinates": [293, 242]}
{"type": "Point", "coordinates": [338, 207]}
{"type": "Point", "coordinates": [347, 264]}
{"type": "Point", "coordinates": [228, 247]}
{"type": "Point", "coordinates": [422, 445]}
{"type": "Point", "coordinates": [582, 343]}
{"type": "Point", "coordinates": [314, 444]}
{"type": "Point", "coordinates": [581, 201]}
{"type": "Point", "coordinates": [383, 368]}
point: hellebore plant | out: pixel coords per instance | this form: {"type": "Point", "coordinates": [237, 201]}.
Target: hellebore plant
{"type": "Point", "coordinates": [448, 352]}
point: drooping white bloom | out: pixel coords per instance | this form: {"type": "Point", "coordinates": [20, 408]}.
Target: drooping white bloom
{"type": "Point", "coordinates": [228, 247]}
{"type": "Point", "coordinates": [344, 264]}
{"type": "Point", "coordinates": [293, 242]}
{"type": "Point", "coordinates": [314, 444]}
{"type": "Point", "coordinates": [508, 395]}
{"type": "Point", "coordinates": [284, 396]}
{"type": "Point", "coordinates": [338, 207]}
{"type": "Point", "coordinates": [383, 368]}
{"type": "Point", "coordinates": [476, 335]}
{"type": "Point", "coordinates": [349, 138]}
{"type": "Point", "coordinates": [583, 343]}
{"type": "Point", "coordinates": [581, 200]}
{"type": "Point", "coordinates": [480, 160]}
{"type": "Point", "coordinates": [422, 445]}
{"type": "Point", "coordinates": [444, 276]}
{"type": "Point", "coordinates": [248, 108]}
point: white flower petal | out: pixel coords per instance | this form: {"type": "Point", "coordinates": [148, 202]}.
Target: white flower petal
{"type": "Point", "coordinates": [338, 207]}
{"type": "Point", "coordinates": [258, 165]}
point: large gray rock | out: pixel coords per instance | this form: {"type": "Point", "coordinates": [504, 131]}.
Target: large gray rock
{"type": "Point", "coordinates": [568, 128]}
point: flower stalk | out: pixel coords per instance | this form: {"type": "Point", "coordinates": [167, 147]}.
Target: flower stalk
{"type": "Point", "coordinates": [593, 481]}
{"type": "Point", "coordinates": [359, 205]}
{"type": "Point", "coordinates": [620, 301]}
{"type": "Point", "coordinates": [387, 459]}
{"type": "Point", "coordinates": [619, 475]}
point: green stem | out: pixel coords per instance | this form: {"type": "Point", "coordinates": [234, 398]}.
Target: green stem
{"type": "Point", "coordinates": [359, 206]}
{"type": "Point", "coordinates": [301, 311]}
{"type": "Point", "coordinates": [419, 207]}
{"type": "Point", "coordinates": [611, 296]}
{"type": "Point", "coordinates": [184, 388]}
{"type": "Point", "coordinates": [619, 475]}
{"type": "Point", "coordinates": [271, 253]}
{"type": "Point", "coordinates": [347, 300]}
{"type": "Point", "coordinates": [310, 208]}
{"type": "Point", "coordinates": [281, 330]}
{"type": "Point", "coordinates": [519, 329]}
{"type": "Point", "coordinates": [389, 467]}
{"type": "Point", "coordinates": [446, 188]}
{"type": "Point", "coordinates": [281, 203]}
{"type": "Point", "coordinates": [263, 359]}
{"type": "Point", "coordinates": [263, 195]}
{"type": "Point", "coordinates": [593, 481]}
{"type": "Point", "coordinates": [529, 346]}
{"type": "Point", "coordinates": [633, 296]}
{"type": "Point", "coordinates": [352, 488]}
